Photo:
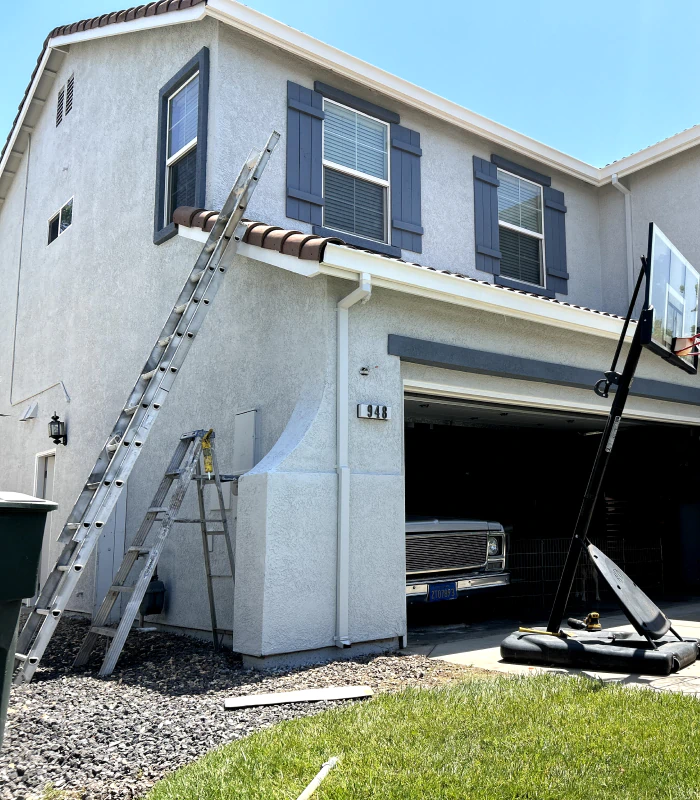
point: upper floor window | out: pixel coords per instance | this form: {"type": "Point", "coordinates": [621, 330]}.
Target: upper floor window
{"type": "Point", "coordinates": [181, 160]}
{"type": "Point", "coordinates": [182, 143]}
{"type": "Point", "coordinates": [520, 228]}
{"type": "Point", "coordinates": [355, 172]}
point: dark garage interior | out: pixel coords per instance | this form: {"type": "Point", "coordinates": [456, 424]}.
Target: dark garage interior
{"type": "Point", "coordinates": [527, 469]}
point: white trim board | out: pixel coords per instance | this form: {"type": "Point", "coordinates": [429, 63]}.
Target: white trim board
{"type": "Point", "coordinates": [513, 397]}
{"type": "Point", "coordinates": [344, 262]}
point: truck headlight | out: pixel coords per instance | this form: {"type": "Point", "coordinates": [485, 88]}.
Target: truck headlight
{"type": "Point", "coordinates": [494, 546]}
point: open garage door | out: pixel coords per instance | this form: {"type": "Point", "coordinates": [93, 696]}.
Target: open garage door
{"type": "Point", "coordinates": [526, 469]}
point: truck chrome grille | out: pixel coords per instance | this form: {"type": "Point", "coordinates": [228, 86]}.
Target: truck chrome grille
{"type": "Point", "coordinates": [444, 552]}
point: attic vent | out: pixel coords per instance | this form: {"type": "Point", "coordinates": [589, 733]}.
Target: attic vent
{"type": "Point", "coordinates": [59, 106]}
{"type": "Point", "coordinates": [69, 95]}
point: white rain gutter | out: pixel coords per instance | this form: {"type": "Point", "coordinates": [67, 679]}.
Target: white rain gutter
{"type": "Point", "coordinates": [342, 617]}
{"type": "Point", "coordinates": [628, 233]}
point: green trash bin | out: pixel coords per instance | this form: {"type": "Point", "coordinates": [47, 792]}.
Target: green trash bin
{"type": "Point", "coordinates": [22, 520]}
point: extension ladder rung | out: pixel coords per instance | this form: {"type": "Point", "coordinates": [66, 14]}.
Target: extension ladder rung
{"type": "Point", "coordinates": [196, 521]}
{"type": "Point", "coordinates": [142, 551]}
{"type": "Point", "coordinates": [117, 458]}
{"type": "Point", "coordinates": [103, 631]}
{"type": "Point", "coordinates": [121, 588]}
{"type": "Point", "coordinates": [63, 568]}
{"type": "Point", "coordinates": [157, 510]}
{"type": "Point", "coordinates": [174, 473]}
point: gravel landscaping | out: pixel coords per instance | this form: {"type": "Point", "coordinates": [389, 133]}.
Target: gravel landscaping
{"type": "Point", "coordinates": [70, 734]}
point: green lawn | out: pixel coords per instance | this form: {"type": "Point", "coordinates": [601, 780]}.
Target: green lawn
{"type": "Point", "coordinates": [543, 737]}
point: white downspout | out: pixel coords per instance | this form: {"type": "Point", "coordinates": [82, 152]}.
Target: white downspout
{"type": "Point", "coordinates": [363, 293]}
{"type": "Point", "coordinates": [628, 233]}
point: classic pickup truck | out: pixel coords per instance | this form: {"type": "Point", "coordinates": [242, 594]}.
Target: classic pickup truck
{"type": "Point", "coordinates": [449, 558]}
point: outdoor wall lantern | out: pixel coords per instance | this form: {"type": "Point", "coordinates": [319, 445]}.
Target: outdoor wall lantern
{"type": "Point", "coordinates": [57, 430]}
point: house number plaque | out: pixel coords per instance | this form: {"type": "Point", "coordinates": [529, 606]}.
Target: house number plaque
{"type": "Point", "coordinates": [373, 411]}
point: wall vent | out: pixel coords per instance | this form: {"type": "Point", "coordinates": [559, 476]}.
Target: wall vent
{"type": "Point", "coordinates": [59, 105]}
{"type": "Point", "coordinates": [69, 95]}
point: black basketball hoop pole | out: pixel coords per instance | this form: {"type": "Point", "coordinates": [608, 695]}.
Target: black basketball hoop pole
{"type": "Point", "coordinates": [607, 440]}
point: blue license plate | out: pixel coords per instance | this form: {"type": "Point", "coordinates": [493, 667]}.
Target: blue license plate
{"type": "Point", "coordinates": [442, 591]}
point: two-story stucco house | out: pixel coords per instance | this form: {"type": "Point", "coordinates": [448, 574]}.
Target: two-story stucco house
{"type": "Point", "coordinates": [406, 252]}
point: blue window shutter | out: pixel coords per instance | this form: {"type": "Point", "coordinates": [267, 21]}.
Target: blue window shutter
{"type": "Point", "coordinates": [555, 240]}
{"type": "Point", "coordinates": [304, 154]}
{"type": "Point", "coordinates": [488, 254]}
{"type": "Point", "coordinates": [406, 230]}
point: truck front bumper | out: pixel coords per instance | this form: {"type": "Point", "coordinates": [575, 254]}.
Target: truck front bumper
{"type": "Point", "coordinates": [418, 592]}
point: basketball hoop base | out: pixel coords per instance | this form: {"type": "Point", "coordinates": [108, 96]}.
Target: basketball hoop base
{"type": "Point", "coordinates": [613, 651]}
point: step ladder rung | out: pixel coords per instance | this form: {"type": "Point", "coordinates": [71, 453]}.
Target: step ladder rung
{"type": "Point", "coordinates": [103, 631]}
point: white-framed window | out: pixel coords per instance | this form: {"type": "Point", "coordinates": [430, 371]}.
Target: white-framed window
{"type": "Point", "coordinates": [520, 228]}
{"type": "Point", "coordinates": [181, 147]}
{"type": "Point", "coordinates": [64, 100]}
{"type": "Point", "coordinates": [60, 221]}
{"type": "Point", "coordinates": [355, 172]}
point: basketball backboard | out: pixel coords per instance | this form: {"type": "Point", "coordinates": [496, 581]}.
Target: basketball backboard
{"type": "Point", "coordinates": [670, 317]}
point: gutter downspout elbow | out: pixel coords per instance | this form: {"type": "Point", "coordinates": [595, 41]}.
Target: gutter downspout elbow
{"type": "Point", "coordinates": [361, 294]}
{"type": "Point", "coordinates": [628, 233]}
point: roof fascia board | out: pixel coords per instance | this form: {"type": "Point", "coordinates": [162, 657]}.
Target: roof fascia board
{"type": "Point", "coordinates": [25, 108]}
{"type": "Point", "coordinates": [144, 23]}
{"type": "Point", "coordinates": [301, 44]}
{"type": "Point", "coordinates": [650, 155]}
{"type": "Point", "coordinates": [404, 277]}
{"type": "Point", "coordinates": [387, 273]}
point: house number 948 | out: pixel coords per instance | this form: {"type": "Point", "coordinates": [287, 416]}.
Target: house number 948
{"type": "Point", "coordinates": [373, 411]}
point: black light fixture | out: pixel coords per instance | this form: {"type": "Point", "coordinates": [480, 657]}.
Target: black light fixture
{"type": "Point", "coordinates": [57, 430]}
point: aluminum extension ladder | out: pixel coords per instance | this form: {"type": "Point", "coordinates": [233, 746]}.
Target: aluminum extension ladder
{"type": "Point", "coordinates": [117, 458]}
{"type": "Point", "coordinates": [185, 466]}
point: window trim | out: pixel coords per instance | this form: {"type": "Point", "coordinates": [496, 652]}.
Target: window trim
{"type": "Point", "coordinates": [385, 183]}
{"type": "Point", "coordinates": [527, 232]}
{"type": "Point", "coordinates": [198, 65]}
{"type": "Point", "coordinates": [57, 215]}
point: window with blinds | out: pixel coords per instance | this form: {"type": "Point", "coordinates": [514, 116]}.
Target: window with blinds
{"type": "Point", "coordinates": [355, 172]}
{"type": "Point", "coordinates": [520, 228]}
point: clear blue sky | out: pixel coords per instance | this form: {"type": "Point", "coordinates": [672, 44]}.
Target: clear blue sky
{"type": "Point", "coordinates": [596, 79]}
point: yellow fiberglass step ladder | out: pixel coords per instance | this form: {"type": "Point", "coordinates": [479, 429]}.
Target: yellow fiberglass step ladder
{"type": "Point", "coordinates": [194, 459]}
{"type": "Point", "coordinates": [121, 450]}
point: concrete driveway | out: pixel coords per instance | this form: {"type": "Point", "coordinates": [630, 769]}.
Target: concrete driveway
{"type": "Point", "coordinates": [481, 648]}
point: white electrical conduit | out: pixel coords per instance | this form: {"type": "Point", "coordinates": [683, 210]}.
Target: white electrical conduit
{"type": "Point", "coordinates": [362, 293]}
{"type": "Point", "coordinates": [316, 782]}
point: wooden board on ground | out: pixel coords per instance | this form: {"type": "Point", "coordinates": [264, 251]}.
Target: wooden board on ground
{"type": "Point", "coordinates": [301, 696]}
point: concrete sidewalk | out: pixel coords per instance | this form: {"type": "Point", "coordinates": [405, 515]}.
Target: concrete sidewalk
{"type": "Point", "coordinates": [482, 649]}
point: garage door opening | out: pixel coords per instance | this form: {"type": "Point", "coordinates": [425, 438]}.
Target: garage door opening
{"type": "Point", "coordinates": [526, 469]}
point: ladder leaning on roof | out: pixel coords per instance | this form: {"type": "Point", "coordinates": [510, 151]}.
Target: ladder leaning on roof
{"type": "Point", "coordinates": [117, 458]}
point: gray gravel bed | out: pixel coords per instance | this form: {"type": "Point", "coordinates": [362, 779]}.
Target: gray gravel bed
{"type": "Point", "coordinates": [70, 734]}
